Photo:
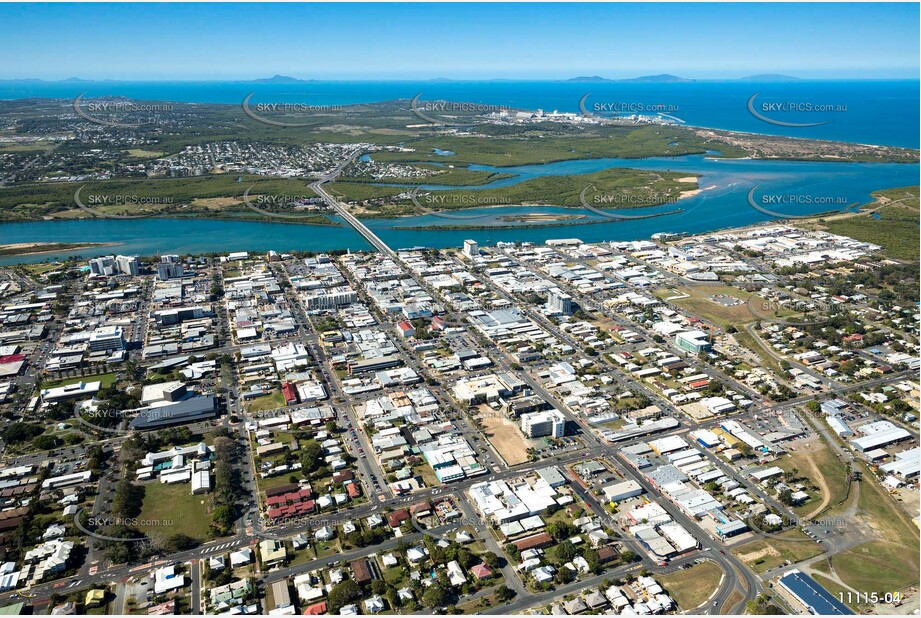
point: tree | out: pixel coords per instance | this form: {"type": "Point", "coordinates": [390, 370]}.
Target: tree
{"type": "Point", "coordinates": [311, 456]}
{"type": "Point", "coordinates": [437, 595]}
{"type": "Point", "coordinates": [561, 530]}
{"type": "Point", "coordinates": [504, 593]}
{"type": "Point", "coordinates": [344, 593]}
{"type": "Point", "coordinates": [565, 575]}
{"type": "Point", "coordinates": [179, 542]}
{"type": "Point", "coordinates": [566, 551]}
{"type": "Point", "coordinates": [21, 432]}
{"type": "Point", "coordinates": [491, 560]}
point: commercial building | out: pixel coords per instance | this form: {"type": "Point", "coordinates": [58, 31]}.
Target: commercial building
{"type": "Point", "coordinates": [103, 266]}
{"type": "Point", "coordinates": [375, 364]}
{"type": "Point", "coordinates": [108, 265]}
{"type": "Point", "coordinates": [186, 411]}
{"type": "Point", "coordinates": [107, 338]}
{"type": "Point", "coordinates": [329, 298]}
{"type": "Point", "coordinates": [471, 248]}
{"type": "Point", "coordinates": [622, 491]}
{"type": "Point", "coordinates": [545, 423]}
{"type": "Point", "coordinates": [695, 341]}
{"type": "Point", "coordinates": [168, 317]}
{"type": "Point", "coordinates": [839, 426]}
{"type": "Point", "coordinates": [71, 391]}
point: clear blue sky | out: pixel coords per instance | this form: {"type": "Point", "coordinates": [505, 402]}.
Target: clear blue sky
{"type": "Point", "coordinates": [394, 41]}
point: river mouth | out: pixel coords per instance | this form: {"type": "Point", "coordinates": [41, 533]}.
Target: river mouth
{"type": "Point", "coordinates": [721, 204]}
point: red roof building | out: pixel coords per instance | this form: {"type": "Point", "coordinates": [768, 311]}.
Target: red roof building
{"type": "Point", "coordinates": [397, 518]}
{"type": "Point", "coordinates": [536, 541]}
{"type": "Point", "coordinates": [290, 393]}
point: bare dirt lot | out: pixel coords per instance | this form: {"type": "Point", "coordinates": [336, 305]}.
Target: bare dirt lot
{"type": "Point", "coordinates": [504, 435]}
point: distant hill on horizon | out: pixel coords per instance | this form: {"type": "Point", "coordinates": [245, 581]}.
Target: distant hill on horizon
{"type": "Point", "coordinates": [769, 77]}
{"type": "Point", "coordinates": [664, 78]}
{"type": "Point", "coordinates": [281, 79]}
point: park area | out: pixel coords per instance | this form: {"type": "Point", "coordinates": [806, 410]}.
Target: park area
{"type": "Point", "coordinates": [172, 509]}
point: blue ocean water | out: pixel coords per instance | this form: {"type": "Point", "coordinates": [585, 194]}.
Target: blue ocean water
{"type": "Point", "coordinates": [876, 112]}
{"type": "Point", "coordinates": [883, 112]}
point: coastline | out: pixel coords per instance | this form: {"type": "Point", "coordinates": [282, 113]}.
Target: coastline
{"type": "Point", "coordinates": [45, 247]}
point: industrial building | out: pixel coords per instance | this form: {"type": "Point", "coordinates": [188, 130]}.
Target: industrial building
{"type": "Point", "coordinates": [879, 435]}
{"type": "Point", "coordinates": [811, 595]}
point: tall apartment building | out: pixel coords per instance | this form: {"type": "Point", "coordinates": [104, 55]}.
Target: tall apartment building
{"type": "Point", "coordinates": [545, 423]}
{"type": "Point", "coordinates": [471, 248]}
{"type": "Point", "coordinates": [104, 265]}
{"type": "Point", "coordinates": [128, 264]}
{"type": "Point", "coordinates": [559, 302]}
{"type": "Point", "coordinates": [169, 268]}
{"type": "Point", "coordinates": [108, 265]}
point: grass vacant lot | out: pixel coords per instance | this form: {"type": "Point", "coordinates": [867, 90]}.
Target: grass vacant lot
{"type": "Point", "coordinates": [186, 514]}
{"type": "Point", "coordinates": [105, 378]}
{"type": "Point", "coordinates": [698, 302]}
{"type": "Point", "coordinates": [837, 590]}
{"type": "Point", "coordinates": [817, 463]}
{"type": "Point", "coordinates": [771, 552]}
{"type": "Point", "coordinates": [267, 402]}
{"type": "Point", "coordinates": [886, 565]}
{"type": "Point", "coordinates": [692, 587]}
